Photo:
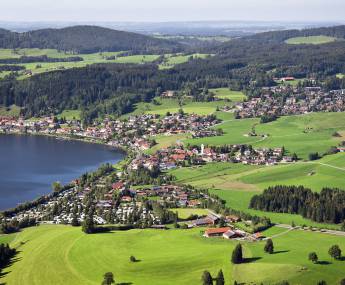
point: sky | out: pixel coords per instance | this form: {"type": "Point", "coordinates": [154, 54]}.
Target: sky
{"type": "Point", "coordinates": [172, 10]}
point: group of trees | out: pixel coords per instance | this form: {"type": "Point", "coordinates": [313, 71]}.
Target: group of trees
{"type": "Point", "coordinates": [326, 206]}
{"type": "Point", "coordinates": [6, 253]}
{"type": "Point", "coordinates": [207, 278]}
{"type": "Point", "coordinates": [334, 251]}
{"type": "Point", "coordinates": [86, 39]}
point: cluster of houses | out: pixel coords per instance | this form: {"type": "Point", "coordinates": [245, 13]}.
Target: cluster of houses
{"type": "Point", "coordinates": [134, 132]}
{"type": "Point", "coordinates": [175, 156]}
{"type": "Point", "coordinates": [287, 100]}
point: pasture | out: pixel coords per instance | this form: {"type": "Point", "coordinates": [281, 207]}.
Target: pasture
{"type": "Point", "coordinates": [237, 183]}
{"type": "Point", "coordinates": [301, 134]}
{"type": "Point", "coordinates": [170, 60]}
{"type": "Point", "coordinates": [65, 255]}
{"type": "Point", "coordinates": [314, 40]}
{"type": "Point", "coordinates": [226, 93]}
{"type": "Point", "coordinates": [163, 105]}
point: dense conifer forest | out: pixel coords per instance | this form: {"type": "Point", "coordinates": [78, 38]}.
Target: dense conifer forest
{"type": "Point", "coordinates": [326, 206]}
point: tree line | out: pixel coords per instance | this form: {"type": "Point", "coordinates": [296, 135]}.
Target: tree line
{"type": "Point", "coordinates": [328, 206]}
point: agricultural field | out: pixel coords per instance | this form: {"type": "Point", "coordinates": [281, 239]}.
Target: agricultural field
{"type": "Point", "coordinates": [41, 67]}
{"type": "Point", "coordinates": [173, 59]}
{"type": "Point", "coordinates": [226, 93]}
{"type": "Point", "coordinates": [70, 114]}
{"type": "Point", "coordinates": [161, 106]}
{"type": "Point", "coordinates": [76, 258]}
{"type": "Point", "coordinates": [315, 40]}
{"type": "Point", "coordinates": [185, 213]}
{"type": "Point", "coordinates": [237, 183]}
{"type": "Point", "coordinates": [301, 134]}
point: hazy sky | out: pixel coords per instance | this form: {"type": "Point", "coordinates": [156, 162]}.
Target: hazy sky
{"type": "Point", "coordinates": [171, 10]}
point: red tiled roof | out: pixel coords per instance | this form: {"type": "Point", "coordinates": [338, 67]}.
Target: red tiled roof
{"type": "Point", "coordinates": [217, 230]}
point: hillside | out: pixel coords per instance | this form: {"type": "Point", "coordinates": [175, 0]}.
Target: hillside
{"type": "Point", "coordinates": [85, 39]}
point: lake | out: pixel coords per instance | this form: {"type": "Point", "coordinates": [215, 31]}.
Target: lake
{"type": "Point", "coordinates": [30, 164]}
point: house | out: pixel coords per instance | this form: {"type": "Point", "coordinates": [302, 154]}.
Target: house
{"type": "Point", "coordinates": [232, 219]}
{"type": "Point", "coordinates": [234, 234]}
{"type": "Point", "coordinates": [118, 185]}
{"type": "Point", "coordinates": [202, 222]}
{"type": "Point", "coordinates": [216, 232]}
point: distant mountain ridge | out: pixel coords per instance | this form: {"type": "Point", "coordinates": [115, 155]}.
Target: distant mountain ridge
{"type": "Point", "coordinates": [86, 39]}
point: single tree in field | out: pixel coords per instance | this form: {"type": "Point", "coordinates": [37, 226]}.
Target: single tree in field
{"type": "Point", "coordinates": [342, 282]}
{"type": "Point", "coordinates": [108, 278]}
{"type": "Point", "coordinates": [335, 251]}
{"type": "Point", "coordinates": [322, 282]}
{"type": "Point", "coordinates": [269, 248]}
{"type": "Point", "coordinates": [237, 255]}
{"type": "Point", "coordinates": [313, 257]}
{"type": "Point", "coordinates": [235, 282]}
{"type": "Point", "coordinates": [132, 259]}
{"type": "Point", "coordinates": [207, 278]}
{"type": "Point", "coordinates": [220, 278]}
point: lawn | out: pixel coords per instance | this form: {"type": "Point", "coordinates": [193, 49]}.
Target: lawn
{"type": "Point", "coordinates": [315, 40]}
{"type": "Point", "coordinates": [185, 213]}
{"type": "Point", "coordinates": [302, 134]}
{"type": "Point", "coordinates": [64, 255]}
{"type": "Point", "coordinates": [226, 93]}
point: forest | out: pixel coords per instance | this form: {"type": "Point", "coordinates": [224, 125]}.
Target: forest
{"type": "Point", "coordinates": [324, 207]}
{"type": "Point", "coordinates": [245, 64]}
{"type": "Point", "coordinates": [86, 39]}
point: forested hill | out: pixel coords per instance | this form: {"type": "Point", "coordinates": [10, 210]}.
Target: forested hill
{"type": "Point", "coordinates": [86, 39]}
{"type": "Point", "coordinates": [281, 36]}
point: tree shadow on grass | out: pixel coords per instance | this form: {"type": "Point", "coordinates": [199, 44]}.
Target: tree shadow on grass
{"type": "Point", "coordinates": [324, 262]}
{"type": "Point", "coordinates": [8, 264]}
{"type": "Point", "coordinates": [123, 283]}
{"type": "Point", "coordinates": [280, 251]}
{"type": "Point", "coordinates": [251, 259]}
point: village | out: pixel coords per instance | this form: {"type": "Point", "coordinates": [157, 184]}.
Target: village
{"type": "Point", "coordinates": [144, 207]}
{"type": "Point", "coordinates": [284, 100]}
{"type": "Point", "coordinates": [135, 133]}
{"type": "Point", "coordinates": [180, 156]}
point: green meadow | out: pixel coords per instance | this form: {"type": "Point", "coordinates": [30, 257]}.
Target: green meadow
{"type": "Point", "coordinates": [163, 105]}
{"type": "Point", "coordinates": [238, 183]}
{"type": "Point", "coordinates": [301, 134]}
{"type": "Point", "coordinates": [315, 40]}
{"type": "Point", "coordinates": [170, 60]}
{"type": "Point", "coordinates": [65, 255]}
{"type": "Point", "coordinates": [70, 114]}
{"type": "Point", "coordinates": [226, 93]}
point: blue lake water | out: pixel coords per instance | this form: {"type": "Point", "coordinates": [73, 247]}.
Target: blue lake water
{"type": "Point", "coordinates": [30, 164]}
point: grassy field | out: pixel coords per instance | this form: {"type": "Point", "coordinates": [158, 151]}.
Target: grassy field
{"type": "Point", "coordinates": [315, 40]}
{"type": "Point", "coordinates": [64, 255]}
{"type": "Point", "coordinates": [185, 213]}
{"type": "Point", "coordinates": [301, 134]}
{"type": "Point", "coordinates": [173, 59]}
{"type": "Point", "coordinates": [41, 67]}
{"type": "Point", "coordinates": [171, 105]}
{"type": "Point", "coordinates": [237, 183]}
{"type": "Point", "coordinates": [226, 93]}
{"type": "Point", "coordinates": [70, 114]}
{"type": "Point", "coordinates": [12, 111]}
